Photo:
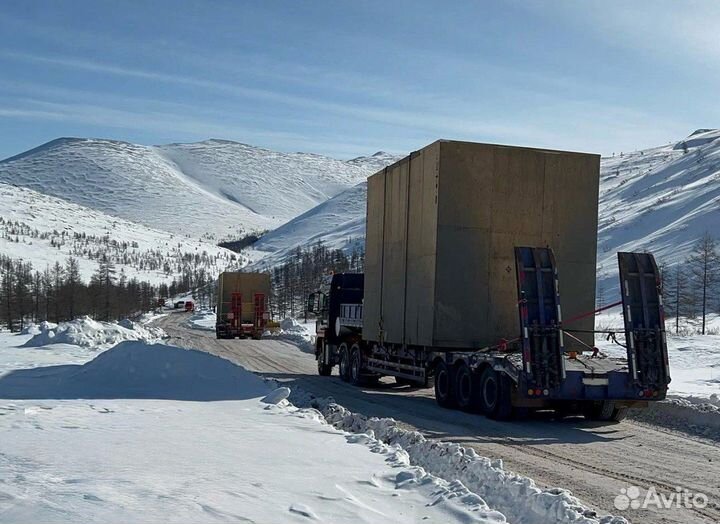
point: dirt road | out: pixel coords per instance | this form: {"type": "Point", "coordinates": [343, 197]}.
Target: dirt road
{"type": "Point", "coordinates": [593, 461]}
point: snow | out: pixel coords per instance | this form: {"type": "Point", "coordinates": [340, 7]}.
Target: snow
{"type": "Point", "coordinates": [87, 332]}
{"type": "Point", "coordinates": [276, 396]}
{"type": "Point", "coordinates": [694, 359]}
{"type": "Point", "coordinates": [698, 416]}
{"type": "Point", "coordinates": [52, 218]}
{"type": "Point", "coordinates": [517, 497]}
{"type": "Point", "coordinates": [693, 405]}
{"type": "Point", "coordinates": [338, 223]}
{"type": "Point", "coordinates": [302, 334]}
{"type": "Point", "coordinates": [203, 320]}
{"type": "Point", "coordinates": [174, 435]}
{"type": "Point", "coordinates": [660, 200]}
{"type": "Point", "coordinates": [215, 187]}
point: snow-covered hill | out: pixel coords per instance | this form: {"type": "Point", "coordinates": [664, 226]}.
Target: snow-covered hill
{"type": "Point", "coordinates": [215, 187]}
{"type": "Point", "coordinates": [339, 223]}
{"type": "Point", "coordinates": [43, 229]}
{"type": "Point", "coordinates": [660, 200]}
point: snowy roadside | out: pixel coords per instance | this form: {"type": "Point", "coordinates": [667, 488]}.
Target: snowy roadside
{"type": "Point", "coordinates": [693, 403]}
{"type": "Point", "coordinates": [204, 320]}
{"type": "Point", "coordinates": [515, 496]}
{"type": "Point", "coordinates": [302, 334]}
{"type": "Point", "coordinates": [204, 447]}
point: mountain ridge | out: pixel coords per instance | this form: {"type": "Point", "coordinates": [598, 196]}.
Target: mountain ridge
{"type": "Point", "coordinates": [212, 189]}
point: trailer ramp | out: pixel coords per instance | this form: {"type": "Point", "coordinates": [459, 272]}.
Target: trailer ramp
{"type": "Point", "coordinates": [540, 317]}
{"type": "Point", "coordinates": [644, 318]}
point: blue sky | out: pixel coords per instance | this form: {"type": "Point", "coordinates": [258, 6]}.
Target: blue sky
{"type": "Point", "coordinates": [346, 78]}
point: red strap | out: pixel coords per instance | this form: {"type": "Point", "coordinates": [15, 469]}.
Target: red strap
{"type": "Point", "coordinates": [575, 319]}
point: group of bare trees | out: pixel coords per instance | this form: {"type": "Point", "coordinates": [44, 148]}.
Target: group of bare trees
{"type": "Point", "coordinates": [303, 272]}
{"type": "Point", "coordinates": [691, 289]}
{"type": "Point", "coordinates": [170, 258]}
{"type": "Point", "coordinates": [59, 292]}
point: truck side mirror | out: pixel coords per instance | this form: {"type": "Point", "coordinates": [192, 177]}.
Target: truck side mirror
{"type": "Point", "coordinates": [311, 303]}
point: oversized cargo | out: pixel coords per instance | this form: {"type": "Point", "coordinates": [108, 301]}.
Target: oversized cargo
{"type": "Point", "coordinates": [442, 225]}
{"type": "Point", "coordinates": [242, 304]}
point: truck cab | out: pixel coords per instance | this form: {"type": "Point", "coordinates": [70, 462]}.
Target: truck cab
{"type": "Point", "coordinates": [338, 308]}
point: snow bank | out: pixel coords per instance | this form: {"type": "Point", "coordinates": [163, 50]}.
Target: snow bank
{"type": "Point", "coordinates": [203, 462]}
{"type": "Point", "coordinates": [698, 416]}
{"type": "Point", "coordinates": [302, 334]}
{"type": "Point", "coordinates": [36, 329]}
{"type": "Point", "coordinates": [276, 396]}
{"type": "Point", "coordinates": [87, 332]}
{"type": "Point", "coordinates": [203, 320]}
{"type": "Point", "coordinates": [136, 370]}
{"type": "Point", "coordinates": [517, 497]}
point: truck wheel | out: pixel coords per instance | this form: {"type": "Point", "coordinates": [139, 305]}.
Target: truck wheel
{"type": "Point", "coordinates": [494, 395]}
{"type": "Point", "coordinates": [324, 370]}
{"type": "Point", "coordinates": [356, 377]}
{"type": "Point", "coordinates": [444, 386]}
{"type": "Point", "coordinates": [465, 387]}
{"type": "Point", "coordinates": [344, 362]}
{"type": "Point", "coordinates": [604, 411]}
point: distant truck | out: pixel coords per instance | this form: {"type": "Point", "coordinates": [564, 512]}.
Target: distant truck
{"type": "Point", "coordinates": [242, 305]}
{"type": "Point", "coordinates": [469, 250]}
{"type": "Point", "coordinates": [189, 306]}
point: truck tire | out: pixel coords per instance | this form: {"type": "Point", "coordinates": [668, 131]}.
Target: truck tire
{"type": "Point", "coordinates": [324, 370]}
{"type": "Point", "coordinates": [604, 411]}
{"type": "Point", "coordinates": [495, 395]}
{"type": "Point", "coordinates": [466, 386]}
{"type": "Point", "coordinates": [356, 376]}
{"type": "Point", "coordinates": [344, 366]}
{"type": "Point", "coordinates": [444, 386]}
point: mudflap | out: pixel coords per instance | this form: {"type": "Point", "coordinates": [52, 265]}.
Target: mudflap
{"type": "Point", "coordinates": [540, 318]}
{"type": "Point", "coordinates": [641, 289]}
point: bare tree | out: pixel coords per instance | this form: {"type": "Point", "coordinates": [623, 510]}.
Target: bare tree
{"type": "Point", "coordinates": [72, 283]}
{"type": "Point", "coordinates": [676, 295]}
{"type": "Point", "coordinates": [8, 291]}
{"type": "Point", "coordinates": [704, 265]}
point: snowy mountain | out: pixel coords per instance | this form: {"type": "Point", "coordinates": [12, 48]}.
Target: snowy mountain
{"type": "Point", "coordinates": [375, 162]}
{"type": "Point", "coordinates": [42, 229]}
{"type": "Point", "coordinates": [339, 223]}
{"type": "Point", "coordinates": [660, 200]}
{"type": "Point", "coordinates": [215, 188]}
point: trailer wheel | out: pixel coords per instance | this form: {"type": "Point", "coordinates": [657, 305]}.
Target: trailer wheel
{"type": "Point", "coordinates": [356, 377]}
{"type": "Point", "coordinates": [494, 395]}
{"type": "Point", "coordinates": [324, 370]}
{"type": "Point", "coordinates": [344, 362]}
{"type": "Point", "coordinates": [465, 387]}
{"type": "Point", "coordinates": [444, 386]}
{"type": "Point", "coordinates": [604, 411]}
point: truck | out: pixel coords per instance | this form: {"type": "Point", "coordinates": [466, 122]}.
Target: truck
{"type": "Point", "coordinates": [242, 305]}
{"type": "Point", "coordinates": [469, 249]}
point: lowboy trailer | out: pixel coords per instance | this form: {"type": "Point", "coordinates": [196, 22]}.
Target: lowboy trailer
{"type": "Point", "coordinates": [464, 245]}
{"type": "Point", "coordinates": [533, 370]}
